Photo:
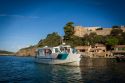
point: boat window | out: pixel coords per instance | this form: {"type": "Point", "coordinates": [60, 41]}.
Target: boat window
{"type": "Point", "coordinates": [56, 50]}
{"type": "Point", "coordinates": [50, 52]}
{"type": "Point", "coordinates": [74, 50]}
{"type": "Point", "coordinates": [68, 50]}
{"type": "Point", "coordinates": [62, 49]}
{"type": "Point", "coordinates": [40, 52]}
{"type": "Point", "coordinates": [47, 51]}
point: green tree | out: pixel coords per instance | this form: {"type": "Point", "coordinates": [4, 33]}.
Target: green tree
{"type": "Point", "coordinates": [123, 34]}
{"type": "Point", "coordinates": [99, 39]}
{"type": "Point", "coordinates": [53, 39]}
{"type": "Point", "coordinates": [69, 30]}
{"type": "Point", "coordinates": [116, 32]}
{"type": "Point", "coordinates": [75, 41]}
{"type": "Point", "coordinates": [90, 39]}
{"type": "Point", "coordinates": [123, 38]}
{"type": "Point", "coordinates": [112, 41]}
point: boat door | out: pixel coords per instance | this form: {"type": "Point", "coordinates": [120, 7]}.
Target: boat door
{"type": "Point", "coordinates": [40, 52]}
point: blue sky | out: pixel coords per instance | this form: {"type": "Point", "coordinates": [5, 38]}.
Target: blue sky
{"type": "Point", "coordinates": [25, 22]}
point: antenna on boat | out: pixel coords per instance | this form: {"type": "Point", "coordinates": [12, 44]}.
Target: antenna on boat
{"type": "Point", "coordinates": [46, 46]}
{"type": "Point", "coordinates": [63, 43]}
{"type": "Point", "coordinates": [61, 40]}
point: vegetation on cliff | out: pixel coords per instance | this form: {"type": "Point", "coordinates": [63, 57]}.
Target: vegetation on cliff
{"type": "Point", "coordinates": [5, 52]}
{"type": "Point", "coordinates": [53, 39]}
{"type": "Point", "coordinates": [68, 30]}
{"type": "Point", "coordinates": [30, 47]}
{"type": "Point", "coordinates": [28, 51]}
{"type": "Point", "coordinates": [117, 36]}
{"type": "Point", "coordinates": [69, 37]}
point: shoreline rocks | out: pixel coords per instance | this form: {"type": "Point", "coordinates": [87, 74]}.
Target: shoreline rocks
{"type": "Point", "coordinates": [29, 51]}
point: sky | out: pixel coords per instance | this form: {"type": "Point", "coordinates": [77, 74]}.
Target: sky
{"type": "Point", "coordinates": [25, 22]}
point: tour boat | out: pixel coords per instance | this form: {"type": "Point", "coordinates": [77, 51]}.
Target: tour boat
{"type": "Point", "coordinates": [59, 55]}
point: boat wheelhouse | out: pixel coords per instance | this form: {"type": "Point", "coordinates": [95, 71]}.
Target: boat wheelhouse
{"type": "Point", "coordinates": [60, 55]}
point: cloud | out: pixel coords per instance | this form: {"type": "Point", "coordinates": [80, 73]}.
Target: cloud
{"type": "Point", "coordinates": [18, 16]}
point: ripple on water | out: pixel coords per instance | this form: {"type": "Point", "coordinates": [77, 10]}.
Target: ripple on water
{"type": "Point", "coordinates": [24, 70]}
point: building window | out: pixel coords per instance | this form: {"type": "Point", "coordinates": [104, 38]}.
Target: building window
{"type": "Point", "coordinates": [91, 51]}
{"type": "Point", "coordinates": [106, 55]}
{"type": "Point", "coordinates": [82, 50]}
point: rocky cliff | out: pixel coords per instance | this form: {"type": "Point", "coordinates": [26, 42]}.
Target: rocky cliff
{"type": "Point", "coordinates": [28, 51]}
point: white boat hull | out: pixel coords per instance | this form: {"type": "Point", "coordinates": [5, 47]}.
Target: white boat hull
{"type": "Point", "coordinates": [72, 61]}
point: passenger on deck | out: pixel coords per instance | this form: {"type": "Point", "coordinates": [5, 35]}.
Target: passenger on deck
{"type": "Point", "coordinates": [62, 50]}
{"type": "Point", "coordinates": [47, 51]}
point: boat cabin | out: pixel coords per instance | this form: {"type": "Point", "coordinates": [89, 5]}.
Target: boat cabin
{"type": "Point", "coordinates": [62, 49]}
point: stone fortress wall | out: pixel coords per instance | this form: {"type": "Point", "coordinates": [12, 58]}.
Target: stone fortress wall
{"type": "Point", "coordinates": [81, 31]}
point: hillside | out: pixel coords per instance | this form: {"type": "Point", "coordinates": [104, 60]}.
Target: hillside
{"type": "Point", "coordinates": [28, 51]}
{"type": "Point", "coordinates": [3, 52]}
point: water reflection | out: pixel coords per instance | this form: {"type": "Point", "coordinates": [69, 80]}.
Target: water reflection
{"type": "Point", "coordinates": [91, 71]}
{"type": "Point", "coordinates": [62, 74]}
{"type": "Point", "coordinates": [102, 71]}
{"type": "Point", "coordinates": [23, 69]}
{"type": "Point", "coordinates": [89, 62]}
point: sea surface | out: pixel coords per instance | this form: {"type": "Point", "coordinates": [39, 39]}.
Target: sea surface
{"type": "Point", "coordinates": [15, 69]}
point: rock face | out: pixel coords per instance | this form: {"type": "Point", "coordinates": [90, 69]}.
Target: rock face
{"type": "Point", "coordinates": [29, 51]}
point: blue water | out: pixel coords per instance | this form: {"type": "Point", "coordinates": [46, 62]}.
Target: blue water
{"type": "Point", "coordinates": [15, 69]}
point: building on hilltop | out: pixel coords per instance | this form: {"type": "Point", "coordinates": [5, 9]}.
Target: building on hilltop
{"type": "Point", "coordinates": [81, 31]}
{"type": "Point", "coordinates": [104, 31]}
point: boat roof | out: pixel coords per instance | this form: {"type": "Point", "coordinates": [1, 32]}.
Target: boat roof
{"type": "Point", "coordinates": [46, 47]}
{"type": "Point", "coordinates": [65, 46]}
